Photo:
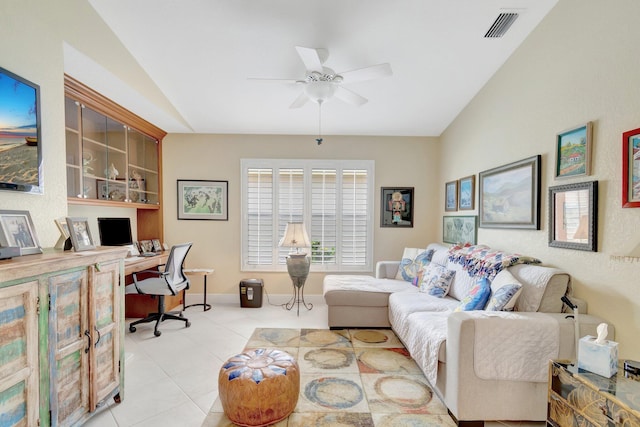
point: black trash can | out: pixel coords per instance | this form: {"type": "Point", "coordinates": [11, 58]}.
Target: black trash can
{"type": "Point", "coordinates": [251, 293]}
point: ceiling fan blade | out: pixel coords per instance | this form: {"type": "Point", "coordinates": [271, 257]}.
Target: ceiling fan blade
{"type": "Point", "coordinates": [300, 100]}
{"type": "Point", "coordinates": [273, 80]}
{"type": "Point", "coordinates": [366, 73]}
{"type": "Point", "coordinates": [349, 96]}
{"type": "Point", "coordinates": [310, 58]}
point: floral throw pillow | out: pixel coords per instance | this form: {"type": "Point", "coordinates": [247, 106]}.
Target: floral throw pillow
{"type": "Point", "coordinates": [477, 297]}
{"type": "Point", "coordinates": [504, 297]}
{"type": "Point", "coordinates": [413, 260]}
{"type": "Point", "coordinates": [505, 290]}
{"type": "Point", "coordinates": [436, 280]}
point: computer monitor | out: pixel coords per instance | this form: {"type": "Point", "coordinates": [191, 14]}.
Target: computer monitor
{"type": "Point", "coordinates": [115, 231]}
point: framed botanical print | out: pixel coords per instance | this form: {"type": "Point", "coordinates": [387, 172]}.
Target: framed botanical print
{"type": "Point", "coordinates": [203, 199]}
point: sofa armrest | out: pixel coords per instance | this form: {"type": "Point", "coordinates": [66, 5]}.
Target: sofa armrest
{"type": "Point", "coordinates": [582, 305]}
{"type": "Point", "coordinates": [387, 269]}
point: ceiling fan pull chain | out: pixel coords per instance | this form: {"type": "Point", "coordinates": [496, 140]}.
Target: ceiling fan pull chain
{"type": "Point", "coordinates": [319, 138]}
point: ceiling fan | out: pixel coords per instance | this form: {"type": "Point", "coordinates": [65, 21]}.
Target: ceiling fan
{"type": "Point", "coordinates": [322, 83]}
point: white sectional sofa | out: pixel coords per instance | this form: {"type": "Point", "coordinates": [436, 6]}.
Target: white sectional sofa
{"type": "Point", "coordinates": [485, 365]}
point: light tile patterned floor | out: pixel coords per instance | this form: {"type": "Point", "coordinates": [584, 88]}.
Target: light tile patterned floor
{"type": "Point", "coordinates": [172, 380]}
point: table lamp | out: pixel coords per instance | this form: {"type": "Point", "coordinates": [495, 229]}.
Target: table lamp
{"type": "Point", "coordinates": [295, 236]}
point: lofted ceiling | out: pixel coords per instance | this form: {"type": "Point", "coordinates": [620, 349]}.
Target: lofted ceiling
{"type": "Point", "coordinates": [201, 54]}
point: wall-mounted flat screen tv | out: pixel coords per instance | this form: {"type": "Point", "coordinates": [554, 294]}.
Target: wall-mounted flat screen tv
{"type": "Point", "coordinates": [20, 139]}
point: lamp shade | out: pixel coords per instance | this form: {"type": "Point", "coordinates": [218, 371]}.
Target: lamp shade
{"type": "Point", "coordinates": [295, 236]}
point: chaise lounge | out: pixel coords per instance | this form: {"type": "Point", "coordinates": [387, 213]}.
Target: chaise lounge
{"type": "Point", "coordinates": [483, 364]}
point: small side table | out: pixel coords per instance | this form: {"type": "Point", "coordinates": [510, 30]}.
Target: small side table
{"type": "Point", "coordinates": [198, 272]}
{"type": "Point", "coordinates": [579, 397]}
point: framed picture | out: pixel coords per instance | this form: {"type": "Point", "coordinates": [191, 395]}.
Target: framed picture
{"type": "Point", "coordinates": [573, 216]}
{"type": "Point", "coordinates": [467, 193]}
{"type": "Point", "coordinates": [460, 229]}
{"type": "Point", "coordinates": [573, 151]}
{"type": "Point", "coordinates": [16, 229]}
{"type": "Point", "coordinates": [157, 246]}
{"type": "Point", "coordinates": [80, 234]}
{"type": "Point", "coordinates": [20, 134]}
{"type": "Point", "coordinates": [202, 199]}
{"type": "Point", "coordinates": [396, 208]}
{"type": "Point", "coordinates": [510, 195]}
{"type": "Point", "coordinates": [631, 169]}
{"type": "Point", "coordinates": [146, 246]}
{"type": "Point", "coordinates": [108, 190]}
{"type": "Point", "coordinates": [63, 227]}
{"type": "Point", "coordinates": [451, 196]}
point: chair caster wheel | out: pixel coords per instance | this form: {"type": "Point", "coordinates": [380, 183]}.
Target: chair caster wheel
{"type": "Point", "coordinates": [132, 328]}
{"type": "Point", "coordinates": [187, 324]}
{"type": "Point", "coordinates": [157, 333]}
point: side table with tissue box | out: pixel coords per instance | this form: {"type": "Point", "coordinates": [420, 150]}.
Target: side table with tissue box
{"type": "Point", "coordinates": [579, 397]}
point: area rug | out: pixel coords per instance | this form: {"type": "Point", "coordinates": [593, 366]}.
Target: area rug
{"type": "Point", "coordinates": [350, 377]}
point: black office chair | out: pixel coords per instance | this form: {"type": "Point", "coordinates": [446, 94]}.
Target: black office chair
{"type": "Point", "coordinates": [171, 281]}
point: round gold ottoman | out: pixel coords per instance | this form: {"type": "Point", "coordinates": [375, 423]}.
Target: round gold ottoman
{"type": "Point", "coordinates": [259, 387]}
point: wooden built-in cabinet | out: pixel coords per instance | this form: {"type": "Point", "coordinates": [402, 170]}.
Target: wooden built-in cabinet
{"type": "Point", "coordinates": [61, 334]}
{"type": "Point", "coordinates": [113, 157]}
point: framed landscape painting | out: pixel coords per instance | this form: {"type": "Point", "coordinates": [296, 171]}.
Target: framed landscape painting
{"type": "Point", "coordinates": [510, 195]}
{"type": "Point", "coordinates": [467, 193]}
{"type": "Point", "coordinates": [451, 196]}
{"type": "Point", "coordinates": [573, 151]}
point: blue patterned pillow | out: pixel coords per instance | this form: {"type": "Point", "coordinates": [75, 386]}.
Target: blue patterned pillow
{"type": "Point", "coordinates": [413, 260]}
{"type": "Point", "coordinates": [502, 298]}
{"type": "Point", "coordinates": [477, 296]}
{"type": "Point", "coordinates": [436, 280]}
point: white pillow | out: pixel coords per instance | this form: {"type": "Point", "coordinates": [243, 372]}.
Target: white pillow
{"type": "Point", "coordinates": [505, 290]}
{"type": "Point", "coordinates": [436, 280]}
{"type": "Point", "coordinates": [413, 260]}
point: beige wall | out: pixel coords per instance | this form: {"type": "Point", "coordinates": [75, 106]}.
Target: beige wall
{"type": "Point", "coordinates": [581, 64]}
{"type": "Point", "coordinates": [32, 35]}
{"type": "Point", "coordinates": [399, 161]}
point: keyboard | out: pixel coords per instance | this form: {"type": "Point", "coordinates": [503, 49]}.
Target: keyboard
{"type": "Point", "coordinates": [148, 254]}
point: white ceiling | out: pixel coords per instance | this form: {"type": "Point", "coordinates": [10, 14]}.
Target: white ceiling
{"type": "Point", "coordinates": [200, 53]}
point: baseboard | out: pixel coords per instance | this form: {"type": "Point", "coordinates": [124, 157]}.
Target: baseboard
{"type": "Point", "coordinates": [229, 299]}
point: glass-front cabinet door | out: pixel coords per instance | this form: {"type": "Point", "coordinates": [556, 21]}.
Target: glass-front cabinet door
{"type": "Point", "coordinates": [108, 160]}
{"type": "Point", "coordinates": [143, 168]}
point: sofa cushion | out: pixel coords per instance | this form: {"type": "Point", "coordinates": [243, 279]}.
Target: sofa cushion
{"type": "Point", "coordinates": [436, 280]}
{"type": "Point", "coordinates": [505, 290]}
{"type": "Point", "coordinates": [462, 282]}
{"type": "Point", "coordinates": [413, 260]}
{"type": "Point", "coordinates": [403, 304]}
{"type": "Point", "coordinates": [364, 291]}
{"type": "Point", "coordinates": [477, 297]}
{"type": "Point", "coordinates": [542, 288]}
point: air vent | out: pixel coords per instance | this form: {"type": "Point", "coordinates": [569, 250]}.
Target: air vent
{"type": "Point", "coordinates": [501, 25]}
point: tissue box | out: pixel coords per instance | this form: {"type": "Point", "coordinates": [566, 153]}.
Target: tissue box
{"type": "Point", "coordinates": [601, 359]}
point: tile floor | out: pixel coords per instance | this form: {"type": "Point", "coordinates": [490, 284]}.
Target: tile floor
{"type": "Point", "coordinates": [171, 380]}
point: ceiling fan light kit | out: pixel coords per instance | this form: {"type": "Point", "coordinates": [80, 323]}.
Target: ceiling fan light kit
{"type": "Point", "coordinates": [322, 83]}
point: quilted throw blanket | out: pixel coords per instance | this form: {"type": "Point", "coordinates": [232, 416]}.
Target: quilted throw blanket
{"type": "Point", "coordinates": [482, 261]}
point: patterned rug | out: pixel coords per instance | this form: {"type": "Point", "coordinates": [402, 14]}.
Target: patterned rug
{"type": "Point", "coordinates": [354, 377]}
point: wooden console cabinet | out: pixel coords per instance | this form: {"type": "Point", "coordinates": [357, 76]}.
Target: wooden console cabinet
{"type": "Point", "coordinates": [61, 334]}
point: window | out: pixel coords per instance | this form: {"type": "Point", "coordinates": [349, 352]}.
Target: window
{"type": "Point", "coordinates": [334, 199]}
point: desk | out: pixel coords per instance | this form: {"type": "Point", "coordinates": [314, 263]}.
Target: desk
{"type": "Point", "coordinates": [198, 272]}
{"type": "Point", "coordinates": [141, 305]}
